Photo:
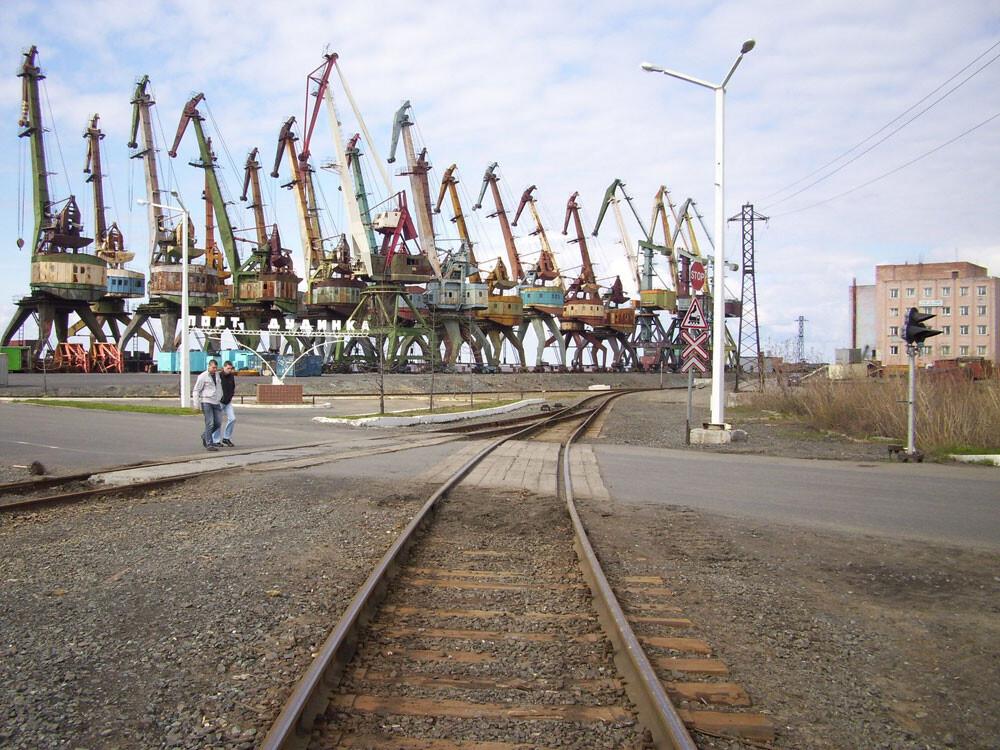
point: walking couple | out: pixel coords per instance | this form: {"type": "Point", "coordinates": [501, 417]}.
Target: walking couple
{"type": "Point", "coordinates": [213, 395]}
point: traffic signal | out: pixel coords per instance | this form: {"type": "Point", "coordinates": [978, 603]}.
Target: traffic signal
{"type": "Point", "coordinates": [914, 330]}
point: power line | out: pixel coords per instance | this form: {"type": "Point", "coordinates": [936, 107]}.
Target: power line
{"type": "Point", "coordinates": [893, 171]}
{"type": "Point", "coordinates": [888, 124]}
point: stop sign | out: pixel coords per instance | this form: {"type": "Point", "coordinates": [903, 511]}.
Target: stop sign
{"type": "Point", "coordinates": [697, 276]}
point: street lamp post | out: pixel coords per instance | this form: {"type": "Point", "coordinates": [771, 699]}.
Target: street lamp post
{"type": "Point", "coordinates": [719, 308]}
{"type": "Point", "coordinates": [185, 365]}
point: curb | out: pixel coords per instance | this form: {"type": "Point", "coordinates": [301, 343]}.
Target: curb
{"type": "Point", "coordinates": [429, 418]}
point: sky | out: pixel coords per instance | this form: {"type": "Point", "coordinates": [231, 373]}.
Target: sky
{"type": "Point", "coordinates": [863, 131]}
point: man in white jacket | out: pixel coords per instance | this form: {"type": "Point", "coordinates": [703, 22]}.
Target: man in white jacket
{"type": "Point", "coordinates": [207, 395]}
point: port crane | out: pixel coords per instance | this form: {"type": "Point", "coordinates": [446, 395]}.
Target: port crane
{"type": "Point", "coordinates": [63, 278]}
{"type": "Point", "coordinates": [165, 251]}
{"type": "Point", "coordinates": [548, 300]}
{"type": "Point", "coordinates": [390, 310]}
{"type": "Point", "coordinates": [264, 285]}
{"type": "Point", "coordinates": [109, 244]}
{"type": "Point", "coordinates": [650, 337]}
{"type": "Point", "coordinates": [541, 304]}
{"type": "Point", "coordinates": [585, 306]}
{"type": "Point", "coordinates": [503, 312]}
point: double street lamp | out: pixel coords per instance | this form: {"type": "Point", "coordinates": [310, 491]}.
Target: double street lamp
{"type": "Point", "coordinates": [185, 364]}
{"type": "Point", "coordinates": [719, 282]}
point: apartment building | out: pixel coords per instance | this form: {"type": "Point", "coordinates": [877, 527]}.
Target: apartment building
{"type": "Point", "coordinates": [963, 297]}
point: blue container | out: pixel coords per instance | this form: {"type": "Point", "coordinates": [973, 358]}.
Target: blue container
{"type": "Point", "coordinates": [310, 365]}
{"type": "Point", "coordinates": [167, 362]}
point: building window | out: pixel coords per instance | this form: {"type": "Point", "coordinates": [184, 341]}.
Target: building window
{"type": "Point", "coordinates": [926, 351]}
{"type": "Point", "coordinates": [946, 330]}
{"type": "Point", "coordinates": [963, 351]}
{"type": "Point", "coordinates": [893, 330]}
{"type": "Point", "coordinates": [963, 330]}
{"type": "Point", "coordinates": [893, 294]}
{"type": "Point", "coordinates": [893, 312]}
{"type": "Point", "coordinates": [928, 291]}
{"type": "Point", "coordinates": [911, 291]}
{"type": "Point", "coordinates": [981, 310]}
{"type": "Point", "coordinates": [981, 350]}
{"type": "Point", "coordinates": [893, 350]}
{"type": "Point", "coordinates": [945, 350]}
{"type": "Point", "coordinates": [946, 291]}
{"type": "Point", "coordinates": [963, 309]}
{"type": "Point", "coordinates": [946, 311]}
{"type": "Point", "coordinates": [981, 290]}
{"type": "Point", "coordinates": [963, 291]}
{"type": "Point", "coordinates": [981, 330]}
{"type": "Point", "coordinates": [928, 310]}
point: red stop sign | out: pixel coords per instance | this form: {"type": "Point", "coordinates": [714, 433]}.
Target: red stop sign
{"type": "Point", "coordinates": [697, 276]}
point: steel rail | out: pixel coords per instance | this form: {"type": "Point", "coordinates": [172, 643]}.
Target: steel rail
{"type": "Point", "coordinates": [67, 497]}
{"type": "Point", "coordinates": [292, 728]}
{"type": "Point", "coordinates": [642, 683]}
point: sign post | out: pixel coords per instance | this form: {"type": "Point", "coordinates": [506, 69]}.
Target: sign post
{"type": "Point", "coordinates": [694, 333]}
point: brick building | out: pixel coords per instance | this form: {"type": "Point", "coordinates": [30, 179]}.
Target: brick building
{"type": "Point", "coordinates": [963, 297]}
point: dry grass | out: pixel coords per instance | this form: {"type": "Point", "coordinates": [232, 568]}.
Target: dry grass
{"type": "Point", "coordinates": [955, 416]}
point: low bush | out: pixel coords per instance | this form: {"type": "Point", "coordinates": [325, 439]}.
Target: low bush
{"type": "Point", "coordinates": [951, 415]}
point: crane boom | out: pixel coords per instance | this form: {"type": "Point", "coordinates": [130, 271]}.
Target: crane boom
{"type": "Point", "coordinates": [214, 190]}
{"type": "Point", "coordinates": [546, 267]}
{"type": "Point", "coordinates": [586, 277]}
{"type": "Point", "coordinates": [92, 167]}
{"type": "Point", "coordinates": [449, 184]}
{"type": "Point", "coordinates": [416, 169]}
{"type": "Point", "coordinates": [251, 179]}
{"type": "Point", "coordinates": [358, 241]}
{"type": "Point", "coordinates": [491, 179]}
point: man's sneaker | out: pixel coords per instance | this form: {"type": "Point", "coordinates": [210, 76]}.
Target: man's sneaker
{"type": "Point", "coordinates": [212, 447]}
{"type": "Point", "coordinates": [228, 443]}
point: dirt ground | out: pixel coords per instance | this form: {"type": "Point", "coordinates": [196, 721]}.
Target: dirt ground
{"type": "Point", "coordinates": [846, 641]}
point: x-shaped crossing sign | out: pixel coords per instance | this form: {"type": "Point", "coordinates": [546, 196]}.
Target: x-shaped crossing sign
{"type": "Point", "coordinates": [694, 348]}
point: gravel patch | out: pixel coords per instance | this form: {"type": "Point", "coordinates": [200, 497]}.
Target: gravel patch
{"type": "Point", "coordinates": [846, 641]}
{"type": "Point", "coordinates": [179, 618]}
{"type": "Point", "coordinates": [656, 420]}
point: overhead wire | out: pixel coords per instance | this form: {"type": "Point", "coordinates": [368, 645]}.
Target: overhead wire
{"type": "Point", "coordinates": [892, 171]}
{"type": "Point", "coordinates": [891, 133]}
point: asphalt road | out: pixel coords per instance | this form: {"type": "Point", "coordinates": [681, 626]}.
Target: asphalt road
{"type": "Point", "coordinates": [934, 502]}
{"type": "Point", "coordinates": [68, 440]}
{"type": "Point", "coordinates": [942, 503]}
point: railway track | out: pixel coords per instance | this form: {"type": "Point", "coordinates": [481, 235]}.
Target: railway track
{"type": "Point", "coordinates": [34, 494]}
{"type": "Point", "coordinates": [489, 624]}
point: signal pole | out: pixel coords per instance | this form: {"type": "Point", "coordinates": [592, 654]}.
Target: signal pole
{"type": "Point", "coordinates": [914, 334]}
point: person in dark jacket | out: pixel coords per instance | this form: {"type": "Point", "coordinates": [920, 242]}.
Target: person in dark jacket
{"type": "Point", "coordinates": [227, 379]}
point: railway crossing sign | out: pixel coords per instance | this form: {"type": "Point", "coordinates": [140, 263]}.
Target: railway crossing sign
{"type": "Point", "coordinates": [694, 348]}
{"type": "Point", "coordinates": [694, 364]}
{"type": "Point", "coordinates": [695, 318]}
{"type": "Point", "coordinates": [694, 333]}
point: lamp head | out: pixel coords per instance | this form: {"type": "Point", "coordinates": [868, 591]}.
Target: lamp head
{"type": "Point", "coordinates": [649, 67]}
{"type": "Point", "coordinates": [142, 201]}
{"type": "Point", "coordinates": [748, 45]}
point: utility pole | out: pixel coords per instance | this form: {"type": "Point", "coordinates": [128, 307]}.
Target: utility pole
{"type": "Point", "coordinates": [748, 343]}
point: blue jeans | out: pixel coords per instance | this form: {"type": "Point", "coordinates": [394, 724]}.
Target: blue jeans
{"type": "Point", "coordinates": [227, 409]}
{"type": "Point", "coordinates": [213, 421]}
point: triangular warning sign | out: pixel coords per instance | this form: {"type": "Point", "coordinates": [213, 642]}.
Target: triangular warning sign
{"type": "Point", "coordinates": [695, 319]}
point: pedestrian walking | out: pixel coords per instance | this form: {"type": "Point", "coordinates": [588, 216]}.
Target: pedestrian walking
{"type": "Point", "coordinates": [207, 395]}
{"type": "Point", "coordinates": [228, 379]}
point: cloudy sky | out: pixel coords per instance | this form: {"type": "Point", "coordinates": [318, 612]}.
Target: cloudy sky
{"type": "Point", "coordinates": [862, 130]}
